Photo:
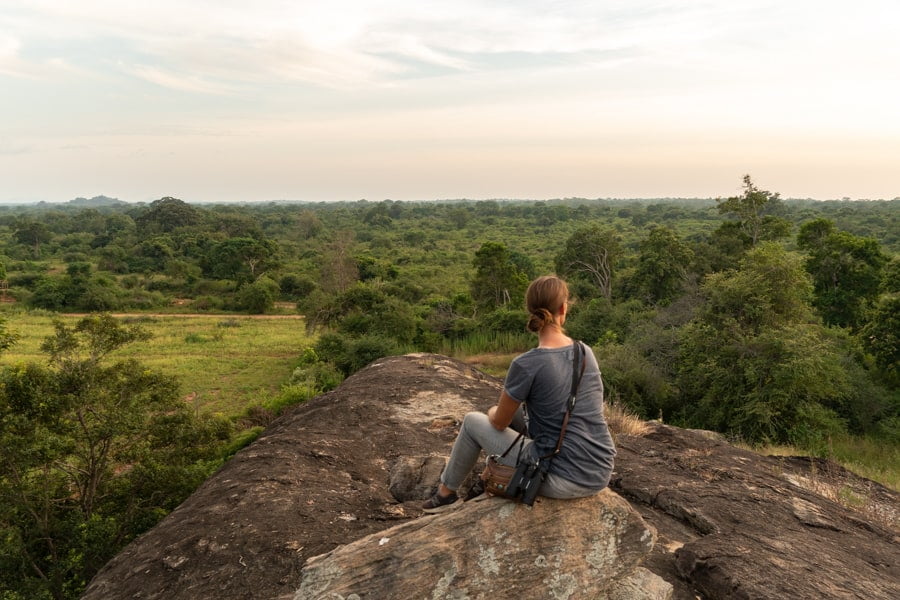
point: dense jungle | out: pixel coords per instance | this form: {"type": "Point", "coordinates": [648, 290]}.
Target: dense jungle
{"type": "Point", "coordinates": [773, 321]}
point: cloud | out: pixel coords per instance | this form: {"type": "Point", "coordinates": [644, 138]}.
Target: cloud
{"type": "Point", "coordinates": [342, 41]}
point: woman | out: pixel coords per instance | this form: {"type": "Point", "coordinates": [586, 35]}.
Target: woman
{"type": "Point", "coordinates": [541, 380]}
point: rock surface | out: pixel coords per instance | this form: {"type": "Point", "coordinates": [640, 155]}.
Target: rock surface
{"type": "Point", "coordinates": [731, 523]}
{"type": "Point", "coordinates": [491, 548]}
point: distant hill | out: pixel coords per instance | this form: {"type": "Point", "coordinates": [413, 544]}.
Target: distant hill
{"type": "Point", "coordinates": [96, 201]}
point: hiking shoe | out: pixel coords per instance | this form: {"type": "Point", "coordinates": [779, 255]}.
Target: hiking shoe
{"type": "Point", "coordinates": [438, 503]}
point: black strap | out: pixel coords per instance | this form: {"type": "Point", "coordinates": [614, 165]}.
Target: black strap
{"type": "Point", "coordinates": [570, 405]}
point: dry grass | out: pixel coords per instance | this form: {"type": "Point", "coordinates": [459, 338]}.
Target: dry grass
{"type": "Point", "coordinates": [622, 421]}
{"type": "Point", "coordinates": [495, 364]}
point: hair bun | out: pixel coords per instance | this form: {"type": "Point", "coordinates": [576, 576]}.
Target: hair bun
{"type": "Point", "coordinates": [539, 319]}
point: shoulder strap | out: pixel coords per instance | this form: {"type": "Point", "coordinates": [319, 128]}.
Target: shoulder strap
{"type": "Point", "coordinates": [577, 373]}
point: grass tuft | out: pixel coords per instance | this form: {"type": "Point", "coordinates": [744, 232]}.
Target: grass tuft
{"type": "Point", "coordinates": [622, 421]}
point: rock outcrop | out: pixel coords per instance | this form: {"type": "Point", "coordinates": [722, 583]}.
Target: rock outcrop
{"type": "Point", "coordinates": [734, 524]}
{"type": "Point", "coordinates": [334, 474]}
{"type": "Point", "coordinates": [586, 548]}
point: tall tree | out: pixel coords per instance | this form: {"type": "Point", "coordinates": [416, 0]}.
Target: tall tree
{"type": "Point", "coordinates": [754, 364]}
{"type": "Point", "coordinates": [662, 265]}
{"type": "Point", "coordinates": [339, 270]}
{"type": "Point", "coordinates": [498, 281]}
{"type": "Point", "coordinates": [166, 215]}
{"type": "Point", "coordinates": [240, 259]}
{"type": "Point", "coordinates": [591, 252]}
{"type": "Point", "coordinates": [33, 234]}
{"type": "Point", "coordinates": [846, 271]}
{"type": "Point", "coordinates": [754, 210]}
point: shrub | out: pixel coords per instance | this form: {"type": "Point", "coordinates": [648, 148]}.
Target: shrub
{"type": "Point", "coordinates": [207, 303]}
{"type": "Point", "coordinates": [296, 287]}
{"type": "Point", "coordinates": [258, 297]}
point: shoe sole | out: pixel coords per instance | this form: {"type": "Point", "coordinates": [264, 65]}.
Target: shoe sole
{"type": "Point", "coordinates": [439, 509]}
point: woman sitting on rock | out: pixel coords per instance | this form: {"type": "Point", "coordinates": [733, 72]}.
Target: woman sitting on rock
{"type": "Point", "coordinates": [541, 380]}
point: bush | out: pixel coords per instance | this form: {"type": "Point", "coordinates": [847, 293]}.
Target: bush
{"type": "Point", "coordinates": [296, 287]}
{"type": "Point", "coordinates": [504, 320]}
{"type": "Point", "coordinates": [51, 293]}
{"type": "Point", "coordinates": [365, 350]}
{"type": "Point", "coordinates": [207, 303]}
{"type": "Point", "coordinates": [241, 440]}
{"type": "Point", "coordinates": [350, 355]}
{"type": "Point", "coordinates": [319, 377]}
{"type": "Point", "coordinates": [632, 380]}
{"type": "Point", "coordinates": [331, 347]}
{"type": "Point", "coordinates": [257, 297]}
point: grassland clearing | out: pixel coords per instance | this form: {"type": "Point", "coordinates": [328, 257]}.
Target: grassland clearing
{"type": "Point", "coordinates": [224, 363]}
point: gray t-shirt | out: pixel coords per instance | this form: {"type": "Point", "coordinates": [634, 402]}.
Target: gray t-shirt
{"type": "Point", "coordinates": [542, 379]}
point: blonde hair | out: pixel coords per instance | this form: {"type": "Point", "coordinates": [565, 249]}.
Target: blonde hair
{"type": "Point", "coordinates": [543, 300]}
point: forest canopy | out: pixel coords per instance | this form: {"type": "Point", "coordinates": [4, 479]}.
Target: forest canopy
{"type": "Point", "coordinates": [770, 320]}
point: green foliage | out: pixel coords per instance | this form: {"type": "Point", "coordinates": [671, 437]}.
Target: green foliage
{"type": "Point", "coordinates": [770, 289]}
{"type": "Point", "coordinates": [881, 336]}
{"type": "Point", "coordinates": [366, 309]}
{"type": "Point", "coordinates": [92, 453]}
{"type": "Point", "coordinates": [601, 320]}
{"type": "Point", "coordinates": [498, 280]}
{"type": "Point", "coordinates": [504, 320]}
{"type": "Point", "coordinates": [846, 269]}
{"type": "Point", "coordinates": [166, 215]}
{"type": "Point", "coordinates": [352, 354]}
{"type": "Point", "coordinates": [754, 210]}
{"type": "Point", "coordinates": [240, 441]}
{"type": "Point", "coordinates": [7, 338]}
{"type": "Point", "coordinates": [631, 379]}
{"type": "Point", "coordinates": [239, 259]}
{"type": "Point", "coordinates": [32, 234]}
{"type": "Point", "coordinates": [591, 253]}
{"type": "Point", "coordinates": [662, 266]}
{"type": "Point", "coordinates": [257, 297]}
{"type": "Point", "coordinates": [296, 287]}
{"type": "Point", "coordinates": [753, 365]}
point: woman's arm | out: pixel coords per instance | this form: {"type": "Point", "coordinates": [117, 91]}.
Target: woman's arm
{"type": "Point", "coordinates": [500, 416]}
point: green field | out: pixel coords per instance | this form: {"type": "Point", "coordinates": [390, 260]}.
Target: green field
{"type": "Point", "coordinates": [224, 363]}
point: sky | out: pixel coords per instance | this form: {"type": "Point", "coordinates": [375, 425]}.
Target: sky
{"type": "Point", "coordinates": [260, 100]}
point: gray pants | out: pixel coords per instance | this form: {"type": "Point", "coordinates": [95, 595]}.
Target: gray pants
{"type": "Point", "coordinates": [477, 434]}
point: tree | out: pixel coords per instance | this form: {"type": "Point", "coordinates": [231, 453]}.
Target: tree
{"type": "Point", "coordinates": [308, 224]}
{"type": "Point", "coordinates": [258, 297]}
{"type": "Point", "coordinates": [240, 259]}
{"type": "Point", "coordinates": [591, 252]}
{"type": "Point", "coordinates": [497, 281]}
{"type": "Point", "coordinates": [339, 270]}
{"type": "Point", "coordinates": [846, 271]}
{"type": "Point", "coordinates": [881, 336]}
{"type": "Point", "coordinates": [662, 266]}
{"type": "Point", "coordinates": [33, 234]}
{"type": "Point", "coordinates": [167, 214]}
{"type": "Point", "coordinates": [92, 452]}
{"type": "Point", "coordinates": [754, 210]}
{"type": "Point", "coordinates": [754, 364]}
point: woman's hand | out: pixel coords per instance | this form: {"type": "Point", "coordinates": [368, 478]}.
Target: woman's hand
{"type": "Point", "coordinates": [500, 416]}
